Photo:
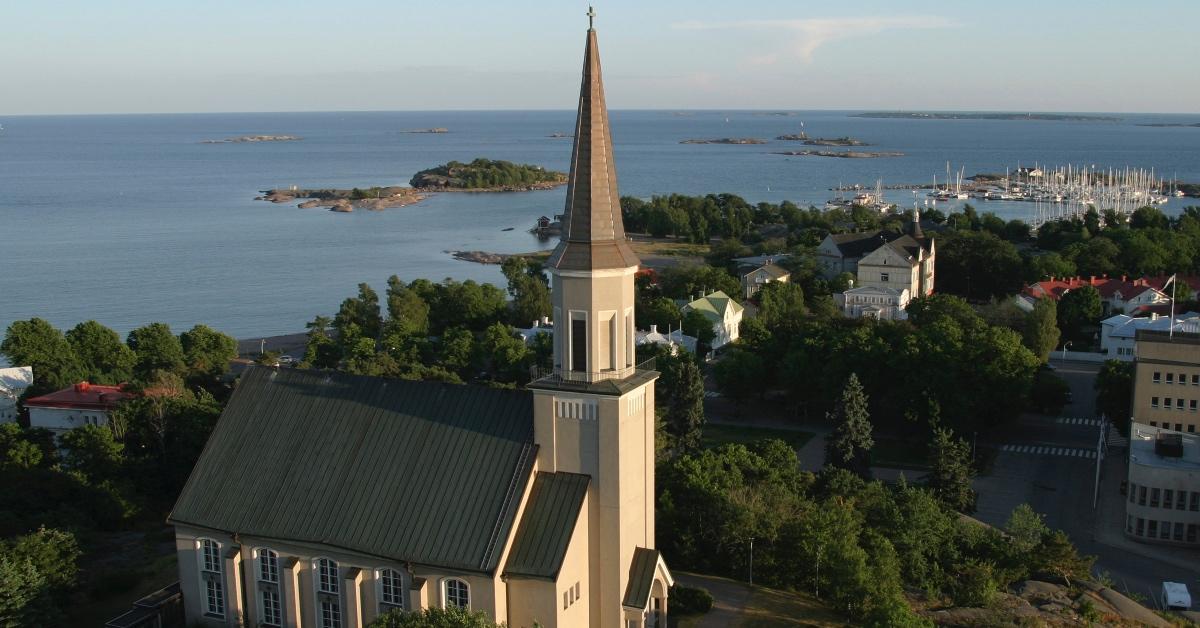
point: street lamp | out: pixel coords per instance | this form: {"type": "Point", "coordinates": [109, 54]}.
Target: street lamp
{"type": "Point", "coordinates": [1065, 345]}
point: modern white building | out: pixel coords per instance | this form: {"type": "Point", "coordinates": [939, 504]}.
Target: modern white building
{"type": "Point", "coordinates": [1117, 333]}
{"type": "Point", "coordinates": [13, 382]}
{"type": "Point", "coordinates": [79, 405]}
{"type": "Point", "coordinates": [1163, 500]}
{"type": "Point", "coordinates": [723, 312]}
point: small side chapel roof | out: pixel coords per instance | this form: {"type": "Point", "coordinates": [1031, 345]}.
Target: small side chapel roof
{"type": "Point", "coordinates": [547, 524]}
{"type": "Point", "coordinates": [420, 472]}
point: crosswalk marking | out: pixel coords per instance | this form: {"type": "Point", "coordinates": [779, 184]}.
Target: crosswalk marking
{"type": "Point", "coordinates": [1079, 421]}
{"type": "Point", "coordinates": [1042, 450]}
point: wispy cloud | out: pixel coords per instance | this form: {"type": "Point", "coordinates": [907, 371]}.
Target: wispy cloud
{"type": "Point", "coordinates": [807, 35]}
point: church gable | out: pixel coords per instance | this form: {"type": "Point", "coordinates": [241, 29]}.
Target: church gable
{"type": "Point", "coordinates": [546, 525]}
{"type": "Point", "coordinates": [423, 472]}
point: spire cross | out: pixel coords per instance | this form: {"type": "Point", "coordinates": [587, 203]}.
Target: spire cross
{"type": "Point", "coordinates": [591, 16]}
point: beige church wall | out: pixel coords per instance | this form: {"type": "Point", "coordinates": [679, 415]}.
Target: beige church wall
{"type": "Point", "coordinates": [483, 588]}
{"type": "Point", "coordinates": [533, 603]}
{"type": "Point", "coordinates": [535, 600]}
{"type": "Point", "coordinates": [575, 570]}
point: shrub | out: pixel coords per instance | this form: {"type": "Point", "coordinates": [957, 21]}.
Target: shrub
{"type": "Point", "coordinates": [690, 600]}
{"type": "Point", "coordinates": [975, 585]}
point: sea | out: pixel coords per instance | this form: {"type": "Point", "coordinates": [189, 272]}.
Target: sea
{"type": "Point", "coordinates": [132, 219]}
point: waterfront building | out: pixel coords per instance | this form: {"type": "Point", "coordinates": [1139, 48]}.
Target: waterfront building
{"type": "Point", "coordinates": [324, 499]}
{"type": "Point", "coordinates": [1163, 490]}
{"type": "Point", "coordinates": [13, 382]}
{"type": "Point", "coordinates": [1117, 332]}
{"type": "Point", "coordinates": [82, 404]}
{"type": "Point", "coordinates": [722, 312]}
{"type": "Point", "coordinates": [1166, 380]}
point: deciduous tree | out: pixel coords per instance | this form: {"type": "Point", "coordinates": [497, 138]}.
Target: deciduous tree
{"type": "Point", "coordinates": [37, 343]}
{"type": "Point", "coordinates": [102, 355]}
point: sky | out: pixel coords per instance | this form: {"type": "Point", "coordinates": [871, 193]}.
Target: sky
{"type": "Point", "coordinates": [170, 56]}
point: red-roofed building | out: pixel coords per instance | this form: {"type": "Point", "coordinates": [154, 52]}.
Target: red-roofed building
{"type": "Point", "coordinates": [69, 408]}
{"type": "Point", "coordinates": [1117, 295]}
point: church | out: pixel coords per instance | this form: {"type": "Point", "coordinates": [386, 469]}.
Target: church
{"type": "Point", "coordinates": [324, 499]}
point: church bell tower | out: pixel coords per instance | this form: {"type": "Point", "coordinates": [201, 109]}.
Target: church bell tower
{"type": "Point", "coordinates": [594, 413]}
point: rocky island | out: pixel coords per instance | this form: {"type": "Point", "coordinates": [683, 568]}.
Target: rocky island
{"type": "Point", "coordinates": [486, 175]}
{"type": "Point", "coordinates": [374, 198]}
{"type": "Point", "coordinates": [836, 141]}
{"type": "Point", "coordinates": [726, 140]}
{"type": "Point", "coordinates": [844, 154]}
{"type": "Point", "coordinates": [438, 129]}
{"type": "Point", "coordinates": [254, 138]}
{"type": "Point", "coordinates": [1172, 125]}
{"type": "Point", "coordinates": [966, 115]}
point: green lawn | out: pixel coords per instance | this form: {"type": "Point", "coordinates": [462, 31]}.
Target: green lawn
{"type": "Point", "coordinates": [896, 453]}
{"type": "Point", "coordinates": [716, 434]}
{"type": "Point", "coordinates": [738, 605]}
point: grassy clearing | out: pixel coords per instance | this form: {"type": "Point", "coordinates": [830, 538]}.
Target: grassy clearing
{"type": "Point", "coordinates": [717, 434]}
{"type": "Point", "coordinates": [769, 608]}
{"type": "Point", "coordinates": [737, 604]}
{"type": "Point", "coordinates": [896, 453]}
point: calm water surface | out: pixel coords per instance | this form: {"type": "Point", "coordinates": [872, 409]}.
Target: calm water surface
{"type": "Point", "coordinates": [130, 219]}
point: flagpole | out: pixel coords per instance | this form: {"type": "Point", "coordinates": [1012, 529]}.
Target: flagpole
{"type": "Point", "coordinates": [1171, 324]}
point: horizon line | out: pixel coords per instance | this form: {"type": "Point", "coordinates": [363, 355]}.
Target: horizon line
{"type": "Point", "coordinates": [556, 109]}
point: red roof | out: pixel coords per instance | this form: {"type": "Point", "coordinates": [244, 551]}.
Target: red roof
{"type": "Point", "coordinates": [83, 395]}
{"type": "Point", "coordinates": [1055, 287]}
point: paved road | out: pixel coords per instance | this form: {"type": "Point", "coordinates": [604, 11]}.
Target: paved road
{"type": "Point", "coordinates": [1050, 464]}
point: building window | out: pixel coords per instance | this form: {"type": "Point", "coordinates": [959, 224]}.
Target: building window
{"type": "Point", "coordinates": [268, 566]}
{"type": "Point", "coordinates": [1181, 500]}
{"type": "Point", "coordinates": [1166, 403]}
{"type": "Point", "coordinates": [1152, 528]}
{"type": "Point", "coordinates": [1168, 497]}
{"type": "Point", "coordinates": [1170, 378]}
{"type": "Point", "coordinates": [1178, 531]}
{"type": "Point", "coordinates": [391, 589]}
{"type": "Point", "coordinates": [1141, 524]}
{"type": "Point", "coordinates": [1154, 498]}
{"type": "Point", "coordinates": [1154, 402]}
{"type": "Point", "coordinates": [1132, 491]}
{"type": "Point", "coordinates": [270, 609]}
{"type": "Point", "coordinates": [1196, 379]}
{"type": "Point", "coordinates": [327, 576]}
{"type": "Point", "coordinates": [1164, 531]}
{"type": "Point", "coordinates": [331, 614]}
{"type": "Point", "coordinates": [1178, 427]}
{"type": "Point", "coordinates": [1141, 496]}
{"type": "Point", "coordinates": [214, 602]}
{"type": "Point", "coordinates": [883, 277]}
{"type": "Point", "coordinates": [328, 601]}
{"type": "Point", "coordinates": [1179, 405]}
{"type": "Point", "coordinates": [1192, 405]}
{"type": "Point", "coordinates": [210, 576]}
{"type": "Point", "coordinates": [579, 343]}
{"type": "Point", "coordinates": [1195, 503]}
{"type": "Point", "coordinates": [566, 602]}
{"type": "Point", "coordinates": [1157, 377]}
{"type": "Point", "coordinates": [1183, 379]}
{"type": "Point", "coordinates": [1191, 532]}
{"type": "Point", "coordinates": [456, 593]}
{"type": "Point", "coordinates": [577, 591]}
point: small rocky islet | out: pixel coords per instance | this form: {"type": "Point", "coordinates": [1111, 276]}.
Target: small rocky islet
{"type": "Point", "coordinates": [251, 139]}
{"type": "Point", "coordinates": [725, 140]}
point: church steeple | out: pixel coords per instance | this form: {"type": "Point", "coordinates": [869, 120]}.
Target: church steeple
{"type": "Point", "coordinates": [593, 234]}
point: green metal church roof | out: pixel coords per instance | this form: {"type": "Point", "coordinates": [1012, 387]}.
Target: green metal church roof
{"type": "Point", "coordinates": [423, 472]}
{"type": "Point", "coordinates": [547, 524]}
